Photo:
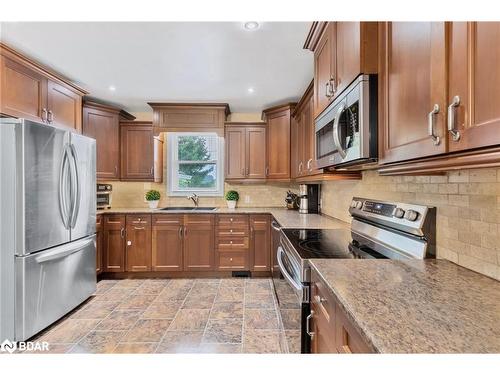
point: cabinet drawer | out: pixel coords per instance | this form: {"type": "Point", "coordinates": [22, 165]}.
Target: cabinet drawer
{"type": "Point", "coordinates": [228, 220]}
{"type": "Point", "coordinates": [232, 231]}
{"type": "Point", "coordinates": [114, 221]}
{"type": "Point", "coordinates": [323, 302]}
{"type": "Point", "coordinates": [232, 243]}
{"type": "Point", "coordinates": [347, 338]}
{"type": "Point", "coordinates": [232, 260]}
{"type": "Point", "coordinates": [139, 220]}
{"type": "Point", "coordinates": [166, 219]}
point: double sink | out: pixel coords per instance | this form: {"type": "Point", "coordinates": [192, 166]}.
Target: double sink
{"type": "Point", "coordinates": [190, 209]}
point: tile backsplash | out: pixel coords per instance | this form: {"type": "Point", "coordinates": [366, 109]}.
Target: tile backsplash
{"type": "Point", "coordinates": [468, 210]}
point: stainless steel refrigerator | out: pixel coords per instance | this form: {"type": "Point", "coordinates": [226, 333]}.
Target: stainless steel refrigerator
{"type": "Point", "coordinates": [47, 225]}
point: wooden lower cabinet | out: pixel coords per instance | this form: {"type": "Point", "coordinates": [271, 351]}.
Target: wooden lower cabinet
{"type": "Point", "coordinates": [99, 236]}
{"type": "Point", "coordinates": [232, 243]}
{"type": "Point", "coordinates": [332, 330]}
{"type": "Point", "coordinates": [114, 243]}
{"type": "Point", "coordinates": [260, 242]}
{"type": "Point", "coordinates": [199, 252]}
{"type": "Point", "coordinates": [138, 243]}
{"type": "Point", "coordinates": [167, 242]}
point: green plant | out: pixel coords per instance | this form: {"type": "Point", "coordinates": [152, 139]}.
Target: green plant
{"type": "Point", "coordinates": [232, 195]}
{"type": "Point", "coordinates": [153, 195]}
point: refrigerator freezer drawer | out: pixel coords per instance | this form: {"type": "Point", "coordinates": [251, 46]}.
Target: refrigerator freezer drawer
{"type": "Point", "coordinates": [51, 283]}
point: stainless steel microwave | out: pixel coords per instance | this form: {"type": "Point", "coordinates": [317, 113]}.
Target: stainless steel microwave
{"type": "Point", "coordinates": [346, 132]}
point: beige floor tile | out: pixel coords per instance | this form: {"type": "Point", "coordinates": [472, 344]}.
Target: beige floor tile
{"type": "Point", "coordinates": [220, 348]}
{"type": "Point", "coordinates": [228, 294]}
{"type": "Point", "coordinates": [180, 342]}
{"type": "Point", "coordinates": [119, 320]}
{"type": "Point", "coordinates": [204, 288]}
{"type": "Point", "coordinates": [227, 310]}
{"type": "Point", "coordinates": [173, 293]}
{"type": "Point", "coordinates": [293, 341]}
{"type": "Point", "coordinates": [291, 318]}
{"type": "Point", "coordinates": [95, 310]}
{"type": "Point", "coordinates": [226, 331]}
{"type": "Point", "coordinates": [162, 310]}
{"type": "Point", "coordinates": [147, 330]}
{"type": "Point", "coordinates": [115, 294]}
{"type": "Point", "coordinates": [129, 283]}
{"type": "Point", "coordinates": [259, 301]}
{"type": "Point", "coordinates": [181, 283]}
{"type": "Point", "coordinates": [199, 301]}
{"type": "Point", "coordinates": [261, 319]}
{"type": "Point", "coordinates": [70, 331]}
{"type": "Point", "coordinates": [139, 302]}
{"type": "Point", "coordinates": [135, 348]}
{"type": "Point", "coordinates": [232, 283]}
{"type": "Point", "coordinates": [258, 288]}
{"type": "Point", "coordinates": [151, 287]}
{"type": "Point", "coordinates": [98, 342]}
{"type": "Point", "coordinates": [190, 320]}
{"type": "Point", "coordinates": [261, 341]}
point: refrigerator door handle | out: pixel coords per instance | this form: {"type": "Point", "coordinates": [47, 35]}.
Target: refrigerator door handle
{"type": "Point", "coordinates": [50, 255]}
{"type": "Point", "coordinates": [63, 209]}
{"type": "Point", "coordinates": [75, 191]}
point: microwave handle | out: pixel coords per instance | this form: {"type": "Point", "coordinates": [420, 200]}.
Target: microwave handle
{"type": "Point", "coordinates": [336, 137]}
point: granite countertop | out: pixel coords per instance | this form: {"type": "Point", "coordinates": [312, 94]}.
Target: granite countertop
{"type": "Point", "coordinates": [416, 306]}
{"type": "Point", "coordinates": [286, 218]}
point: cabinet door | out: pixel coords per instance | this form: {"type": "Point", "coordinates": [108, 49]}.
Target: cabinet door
{"type": "Point", "coordinates": [474, 76]}
{"type": "Point", "coordinates": [260, 242]}
{"type": "Point", "coordinates": [103, 126]}
{"type": "Point", "coordinates": [347, 338]}
{"type": "Point", "coordinates": [309, 134]}
{"type": "Point", "coordinates": [199, 251]}
{"type": "Point", "coordinates": [348, 53]}
{"type": "Point", "coordinates": [137, 152]}
{"type": "Point", "coordinates": [99, 243]}
{"type": "Point", "coordinates": [256, 152]}
{"type": "Point", "coordinates": [324, 69]}
{"type": "Point", "coordinates": [296, 147]}
{"type": "Point", "coordinates": [167, 243]}
{"type": "Point", "coordinates": [323, 317]}
{"type": "Point", "coordinates": [64, 106]}
{"type": "Point", "coordinates": [138, 253]}
{"type": "Point", "coordinates": [278, 145]}
{"type": "Point", "coordinates": [235, 153]}
{"type": "Point", "coordinates": [413, 77]}
{"type": "Point", "coordinates": [114, 243]}
{"type": "Point", "coordinates": [23, 91]}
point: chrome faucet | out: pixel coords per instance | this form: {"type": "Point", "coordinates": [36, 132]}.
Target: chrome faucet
{"type": "Point", "coordinates": [194, 198]}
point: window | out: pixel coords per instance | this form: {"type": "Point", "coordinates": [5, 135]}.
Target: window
{"type": "Point", "coordinates": [195, 164]}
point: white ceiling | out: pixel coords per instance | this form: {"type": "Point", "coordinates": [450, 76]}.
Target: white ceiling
{"type": "Point", "coordinates": [173, 61]}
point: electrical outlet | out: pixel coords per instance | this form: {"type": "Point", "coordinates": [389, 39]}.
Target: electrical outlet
{"type": "Point", "coordinates": [247, 198]}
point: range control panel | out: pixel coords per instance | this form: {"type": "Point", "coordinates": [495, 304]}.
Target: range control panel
{"type": "Point", "coordinates": [379, 208]}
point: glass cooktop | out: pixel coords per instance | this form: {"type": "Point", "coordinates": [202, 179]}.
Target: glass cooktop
{"type": "Point", "coordinates": [327, 243]}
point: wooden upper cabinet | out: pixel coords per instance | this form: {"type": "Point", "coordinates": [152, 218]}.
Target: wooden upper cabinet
{"type": "Point", "coordinates": [137, 151]}
{"type": "Point", "coordinates": [342, 51]}
{"type": "Point", "coordinates": [31, 91]}
{"type": "Point", "coordinates": [278, 121]}
{"type": "Point", "coordinates": [199, 249]}
{"type": "Point", "coordinates": [412, 83]}
{"type": "Point", "coordinates": [189, 117]}
{"type": "Point", "coordinates": [245, 150]}
{"type": "Point", "coordinates": [474, 78]}
{"type": "Point", "coordinates": [324, 69]}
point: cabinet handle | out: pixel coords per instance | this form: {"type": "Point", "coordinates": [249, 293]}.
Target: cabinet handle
{"type": "Point", "coordinates": [242, 171]}
{"type": "Point", "coordinates": [309, 168]}
{"type": "Point", "coordinates": [248, 171]}
{"type": "Point", "coordinates": [180, 232]}
{"type": "Point", "coordinates": [327, 90]}
{"type": "Point", "coordinates": [116, 169]}
{"type": "Point", "coordinates": [185, 232]}
{"type": "Point", "coordinates": [346, 350]}
{"type": "Point", "coordinates": [320, 299]}
{"type": "Point", "coordinates": [267, 171]}
{"type": "Point", "coordinates": [333, 85]}
{"type": "Point", "coordinates": [122, 232]}
{"type": "Point", "coordinates": [431, 117]}
{"type": "Point", "coordinates": [139, 228]}
{"type": "Point", "coordinates": [300, 167]}
{"type": "Point", "coordinates": [308, 324]}
{"type": "Point", "coordinates": [44, 114]}
{"type": "Point", "coordinates": [152, 171]}
{"type": "Point", "coordinates": [50, 117]}
{"type": "Point", "coordinates": [452, 108]}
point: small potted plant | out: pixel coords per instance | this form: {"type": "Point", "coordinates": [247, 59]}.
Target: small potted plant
{"type": "Point", "coordinates": [153, 197]}
{"type": "Point", "coordinates": [232, 197]}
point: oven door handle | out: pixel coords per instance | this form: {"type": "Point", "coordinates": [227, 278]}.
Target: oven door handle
{"type": "Point", "coordinates": [285, 273]}
{"type": "Point", "coordinates": [275, 226]}
{"type": "Point", "coordinates": [336, 136]}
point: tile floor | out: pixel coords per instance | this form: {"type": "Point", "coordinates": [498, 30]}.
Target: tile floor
{"type": "Point", "coordinates": [175, 316]}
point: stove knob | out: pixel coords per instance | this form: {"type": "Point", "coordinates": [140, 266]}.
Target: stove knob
{"type": "Point", "coordinates": [411, 215]}
{"type": "Point", "coordinates": [399, 213]}
{"type": "Point", "coordinates": [353, 204]}
{"type": "Point", "coordinates": [359, 205]}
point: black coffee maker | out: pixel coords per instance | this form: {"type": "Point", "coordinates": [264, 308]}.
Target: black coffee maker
{"type": "Point", "coordinates": [309, 199]}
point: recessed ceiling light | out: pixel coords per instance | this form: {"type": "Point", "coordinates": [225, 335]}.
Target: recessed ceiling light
{"type": "Point", "coordinates": [251, 25]}
{"type": "Point", "coordinates": [112, 88]}
{"type": "Point", "coordinates": [251, 90]}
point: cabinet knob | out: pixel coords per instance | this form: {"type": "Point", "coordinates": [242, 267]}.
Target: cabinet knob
{"type": "Point", "coordinates": [230, 259]}
{"type": "Point", "coordinates": [129, 243]}
{"type": "Point", "coordinates": [231, 242]}
{"type": "Point", "coordinates": [230, 231]}
{"type": "Point", "coordinates": [50, 117]}
{"type": "Point", "coordinates": [44, 114]}
{"type": "Point", "coordinates": [231, 219]}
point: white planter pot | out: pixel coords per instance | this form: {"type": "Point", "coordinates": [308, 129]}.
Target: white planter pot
{"type": "Point", "coordinates": [153, 204]}
{"type": "Point", "coordinates": [231, 204]}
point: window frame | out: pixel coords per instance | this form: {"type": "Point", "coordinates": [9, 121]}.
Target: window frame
{"type": "Point", "coordinates": [173, 163]}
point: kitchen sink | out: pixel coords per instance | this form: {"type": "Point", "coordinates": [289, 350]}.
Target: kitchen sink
{"type": "Point", "coordinates": [188, 209]}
